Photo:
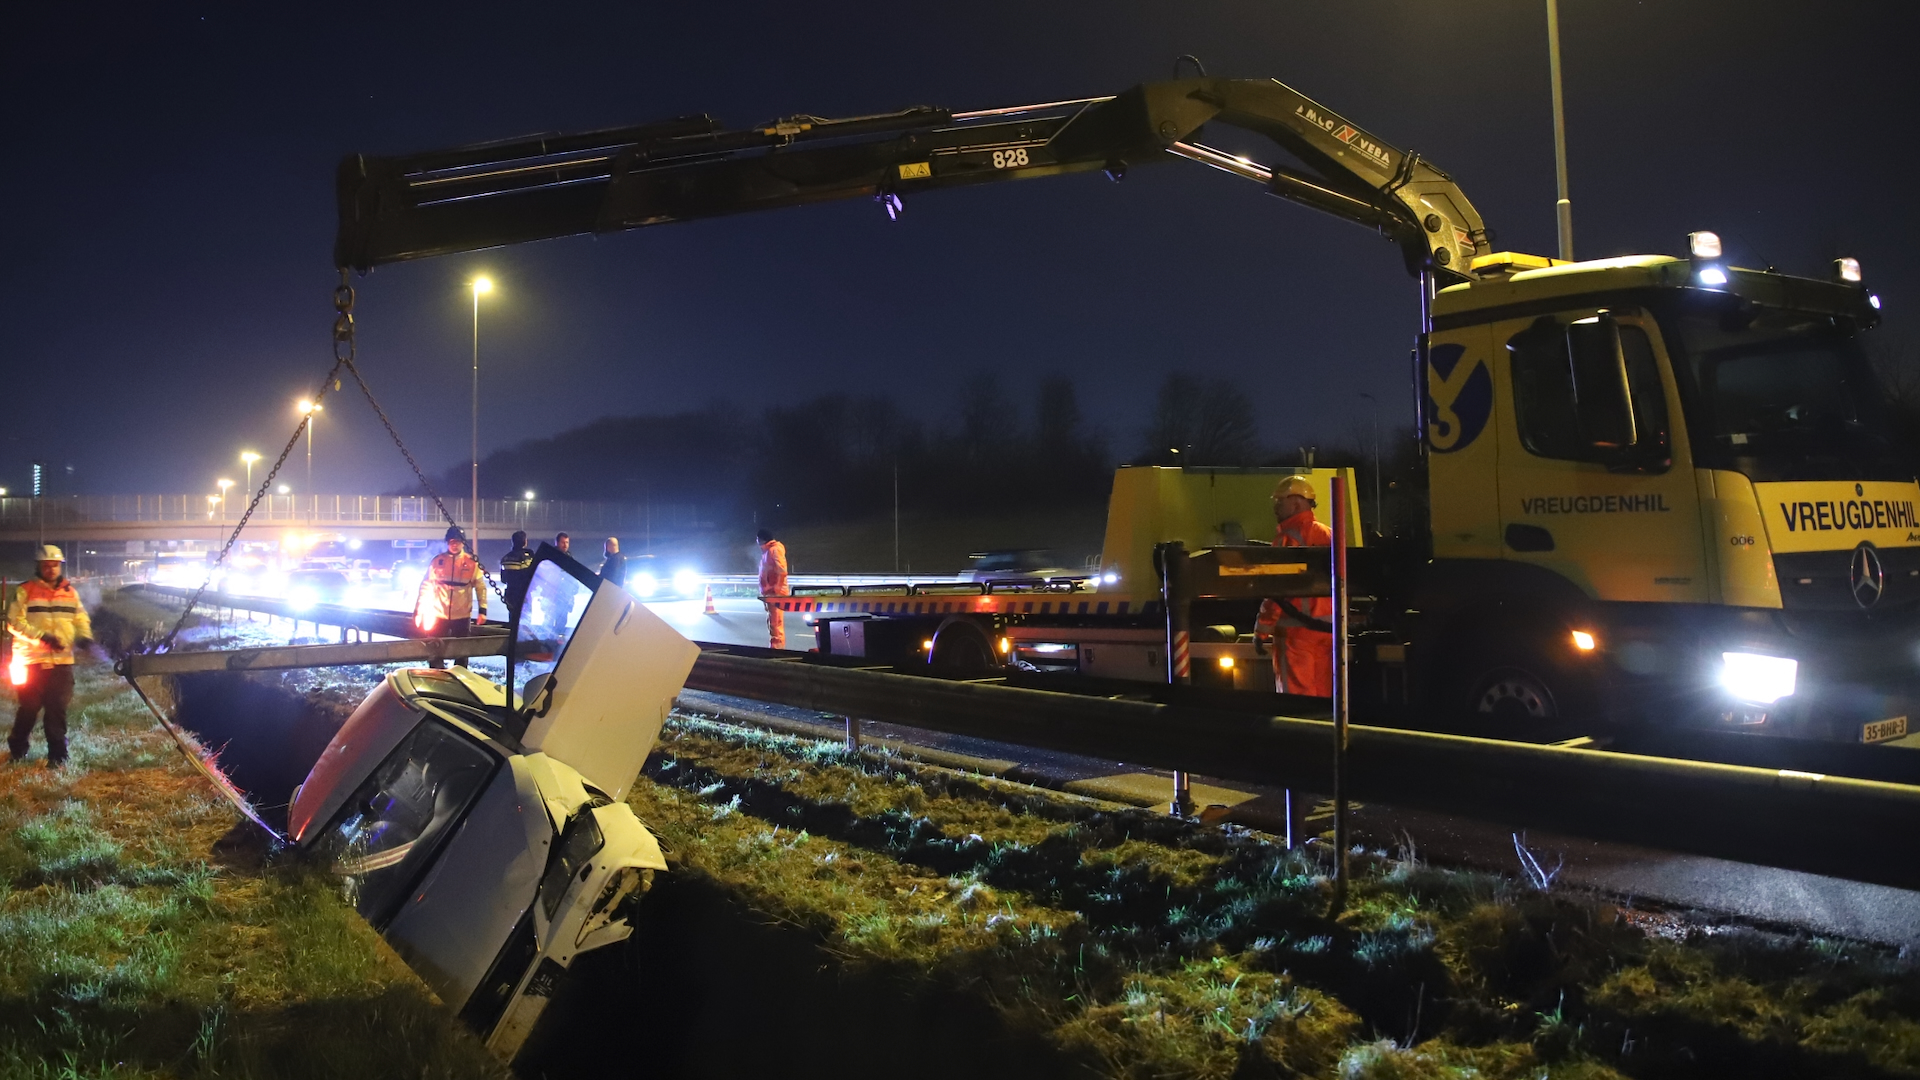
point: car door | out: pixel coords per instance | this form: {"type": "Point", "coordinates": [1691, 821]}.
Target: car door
{"type": "Point", "coordinates": [611, 684]}
{"type": "Point", "coordinates": [457, 920]}
{"type": "Point", "coordinates": [1593, 476]}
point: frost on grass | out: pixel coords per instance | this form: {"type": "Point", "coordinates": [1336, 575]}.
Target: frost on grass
{"type": "Point", "coordinates": [1145, 947]}
{"type": "Point", "coordinates": [124, 952]}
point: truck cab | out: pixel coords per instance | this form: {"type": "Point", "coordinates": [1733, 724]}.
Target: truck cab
{"type": "Point", "coordinates": [480, 827]}
{"type": "Point", "coordinates": [1666, 490]}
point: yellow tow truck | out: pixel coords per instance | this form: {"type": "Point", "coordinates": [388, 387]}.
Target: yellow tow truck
{"type": "Point", "coordinates": [1663, 489]}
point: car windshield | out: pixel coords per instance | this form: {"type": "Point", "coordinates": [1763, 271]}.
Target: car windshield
{"type": "Point", "coordinates": [384, 836]}
{"type": "Point", "coordinates": [1783, 395]}
{"type": "Point", "coordinates": [554, 603]}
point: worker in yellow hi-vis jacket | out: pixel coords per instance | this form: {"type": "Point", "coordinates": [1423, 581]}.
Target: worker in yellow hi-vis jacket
{"type": "Point", "coordinates": [47, 621]}
{"type": "Point", "coordinates": [451, 594]}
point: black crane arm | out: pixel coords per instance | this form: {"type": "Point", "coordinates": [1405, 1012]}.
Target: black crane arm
{"type": "Point", "coordinates": [438, 203]}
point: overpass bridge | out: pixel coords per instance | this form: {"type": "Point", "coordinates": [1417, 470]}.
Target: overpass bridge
{"type": "Point", "coordinates": [104, 521]}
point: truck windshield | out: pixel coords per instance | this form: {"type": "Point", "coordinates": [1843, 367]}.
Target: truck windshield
{"type": "Point", "coordinates": [1785, 396]}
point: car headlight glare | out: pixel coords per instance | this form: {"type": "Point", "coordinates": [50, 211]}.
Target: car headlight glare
{"type": "Point", "coordinates": [1760, 679]}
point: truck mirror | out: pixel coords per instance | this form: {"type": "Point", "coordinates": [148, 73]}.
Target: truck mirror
{"type": "Point", "coordinates": [1603, 398]}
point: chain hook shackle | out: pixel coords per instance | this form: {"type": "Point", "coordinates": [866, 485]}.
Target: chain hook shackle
{"type": "Point", "coordinates": [343, 343]}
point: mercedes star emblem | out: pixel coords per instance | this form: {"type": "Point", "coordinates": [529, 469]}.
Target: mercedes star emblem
{"type": "Point", "coordinates": [1866, 577]}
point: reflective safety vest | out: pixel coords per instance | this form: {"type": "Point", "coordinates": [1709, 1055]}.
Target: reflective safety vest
{"type": "Point", "coordinates": [41, 610]}
{"type": "Point", "coordinates": [773, 568]}
{"type": "Point", "coordinates": [1300, 530]}
{"type": "Point", "coordinates": [449, 589]}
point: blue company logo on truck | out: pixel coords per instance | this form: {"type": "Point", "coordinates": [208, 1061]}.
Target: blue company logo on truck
{"type": "Point", "coordinates": [1831, 514]}
{"type": "Point", "coordinates": [1654, 503]}
{"type": "Point", "coordinates": [1459, 398]}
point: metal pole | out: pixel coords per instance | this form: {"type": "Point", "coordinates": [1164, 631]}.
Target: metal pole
{"type": "Point", "coordinates": [1563, 208]}
{"type": "Point", "coordinates": [1420, 418]}
{"type": "Point", "coordinates": [310, 417]}
{"type": "Point", "coordinates": [896, 517]}
{"type": "Point", "coordinates": [1173, 559]}
{"type": "Point", "coordinates": [476, 425]}
{"type": "Point", "coordinates": [1341, 527]}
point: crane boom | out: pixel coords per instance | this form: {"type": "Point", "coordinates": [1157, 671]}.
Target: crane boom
{"type": "Point", "coordinates": [438, 203]}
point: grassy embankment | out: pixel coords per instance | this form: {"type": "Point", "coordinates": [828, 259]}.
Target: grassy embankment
{"type": "Point", "coordinates": [125, 951]}
{"type": "Point", "coordinates": [1133, 946]}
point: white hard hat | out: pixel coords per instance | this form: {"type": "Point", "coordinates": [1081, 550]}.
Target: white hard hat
{"type": "Point", "coordinates": [48, 553]}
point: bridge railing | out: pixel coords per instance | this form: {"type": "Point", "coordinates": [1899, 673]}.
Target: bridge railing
{"type": "Point", "coordinates": [346, 510]}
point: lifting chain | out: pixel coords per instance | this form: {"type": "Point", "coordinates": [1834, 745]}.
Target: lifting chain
{"type": "Point", "coordinates": [345, 352]}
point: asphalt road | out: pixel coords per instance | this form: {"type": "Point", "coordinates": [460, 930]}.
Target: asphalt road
{"type": "Point", "coordinates": [1716, 887]}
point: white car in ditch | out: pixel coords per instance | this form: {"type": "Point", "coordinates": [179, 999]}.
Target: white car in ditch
{"type": "Point", "coordinates": [483, 833]}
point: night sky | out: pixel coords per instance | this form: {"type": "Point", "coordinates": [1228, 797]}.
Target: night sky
{"type": "Point", "coordinates": [170, 211]}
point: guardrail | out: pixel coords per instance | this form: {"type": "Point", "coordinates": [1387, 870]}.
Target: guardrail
{"type": "Point", "coordinates": [286, 657]}
{"type": "Point", "coordinates": [394, 624]}
{"type": "Point", "coordinates": [1856, 829]}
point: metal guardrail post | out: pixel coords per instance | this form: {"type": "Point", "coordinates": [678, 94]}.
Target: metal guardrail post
{"type": "Point", "coordinates": [1341, 526]}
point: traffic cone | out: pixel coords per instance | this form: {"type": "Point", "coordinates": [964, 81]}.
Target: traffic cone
{"type": "Point", "coordinates": [710, 607]}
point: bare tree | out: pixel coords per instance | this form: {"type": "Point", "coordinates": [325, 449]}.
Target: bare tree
{"type": "Point", "coordinates": [1199, 422]}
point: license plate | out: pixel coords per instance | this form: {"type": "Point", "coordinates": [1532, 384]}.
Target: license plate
{"type": "Point", "coordinates": [1882, 730]}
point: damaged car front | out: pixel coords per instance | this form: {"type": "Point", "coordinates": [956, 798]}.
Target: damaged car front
{"type": "Point", "coordinates": [482, 830]}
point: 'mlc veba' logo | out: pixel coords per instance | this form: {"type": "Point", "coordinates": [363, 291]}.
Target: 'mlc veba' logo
{"type": "Point", "coordinates": [1459, 398]}
{"type": "Point", "coordinates": [1866, 576]}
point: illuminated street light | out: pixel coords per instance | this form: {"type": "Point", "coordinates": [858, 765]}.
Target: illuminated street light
{"type": "Point", "coordinates": [481, 285]}
{"type": "Point", "coordinates": [528, 496]}
{"type": "Point", "coordinates": [212, 501]}
{"type": "Point", "coordinates": [249, 457]}
{"type": "Point", "coordinates": [224, 485]}
{"type": "Point", "coordinates": [285, 490]}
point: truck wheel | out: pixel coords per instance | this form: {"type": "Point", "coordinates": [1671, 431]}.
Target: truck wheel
{"type": "Point", "coordinates": [1516, 688]}
{"type": "Point", "coordinates": [960, 650]}
{"type": "Point", "coordinates": [1513, 693]}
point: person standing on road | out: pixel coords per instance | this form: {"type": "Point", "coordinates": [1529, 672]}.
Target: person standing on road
{"type": "Point", "coordinates": [614, 567]}
{"type": "Point", "coordinates": [773, 582]}
{"type": "Point", "coordinates": [516, 573]}
{"type": "Point", "coordinates": [47, 620]}
{"type": "Point", "coordinates": [1302, 654]}
{"type": "Point", "coordinates": [563, 543]}
{"type": "Point", "coordinates": [451, 593]}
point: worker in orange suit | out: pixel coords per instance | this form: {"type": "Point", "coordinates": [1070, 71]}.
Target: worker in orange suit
{"type": "Point", "coordinates": [1302, 655]}
{"type": "Point", "coordinates": [451, 594]}
{"type": "Point", "coordinates": [773, 582]}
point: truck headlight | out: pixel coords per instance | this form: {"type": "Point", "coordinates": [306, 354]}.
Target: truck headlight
{"type": "Point", "coordinates": [1756, 678]}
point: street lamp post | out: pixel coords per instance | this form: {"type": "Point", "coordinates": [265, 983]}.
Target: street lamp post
{"type": "Point", "coordinates": [249, 457]}
{"type": "Point", "coordinates": [480, 285]}
{"type": "Point", "coordinates": [308, 409]}
{"type": "Point", "coordinates": [224, 485]}
{"type": "Point", "coordinates": [1563, 209]}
